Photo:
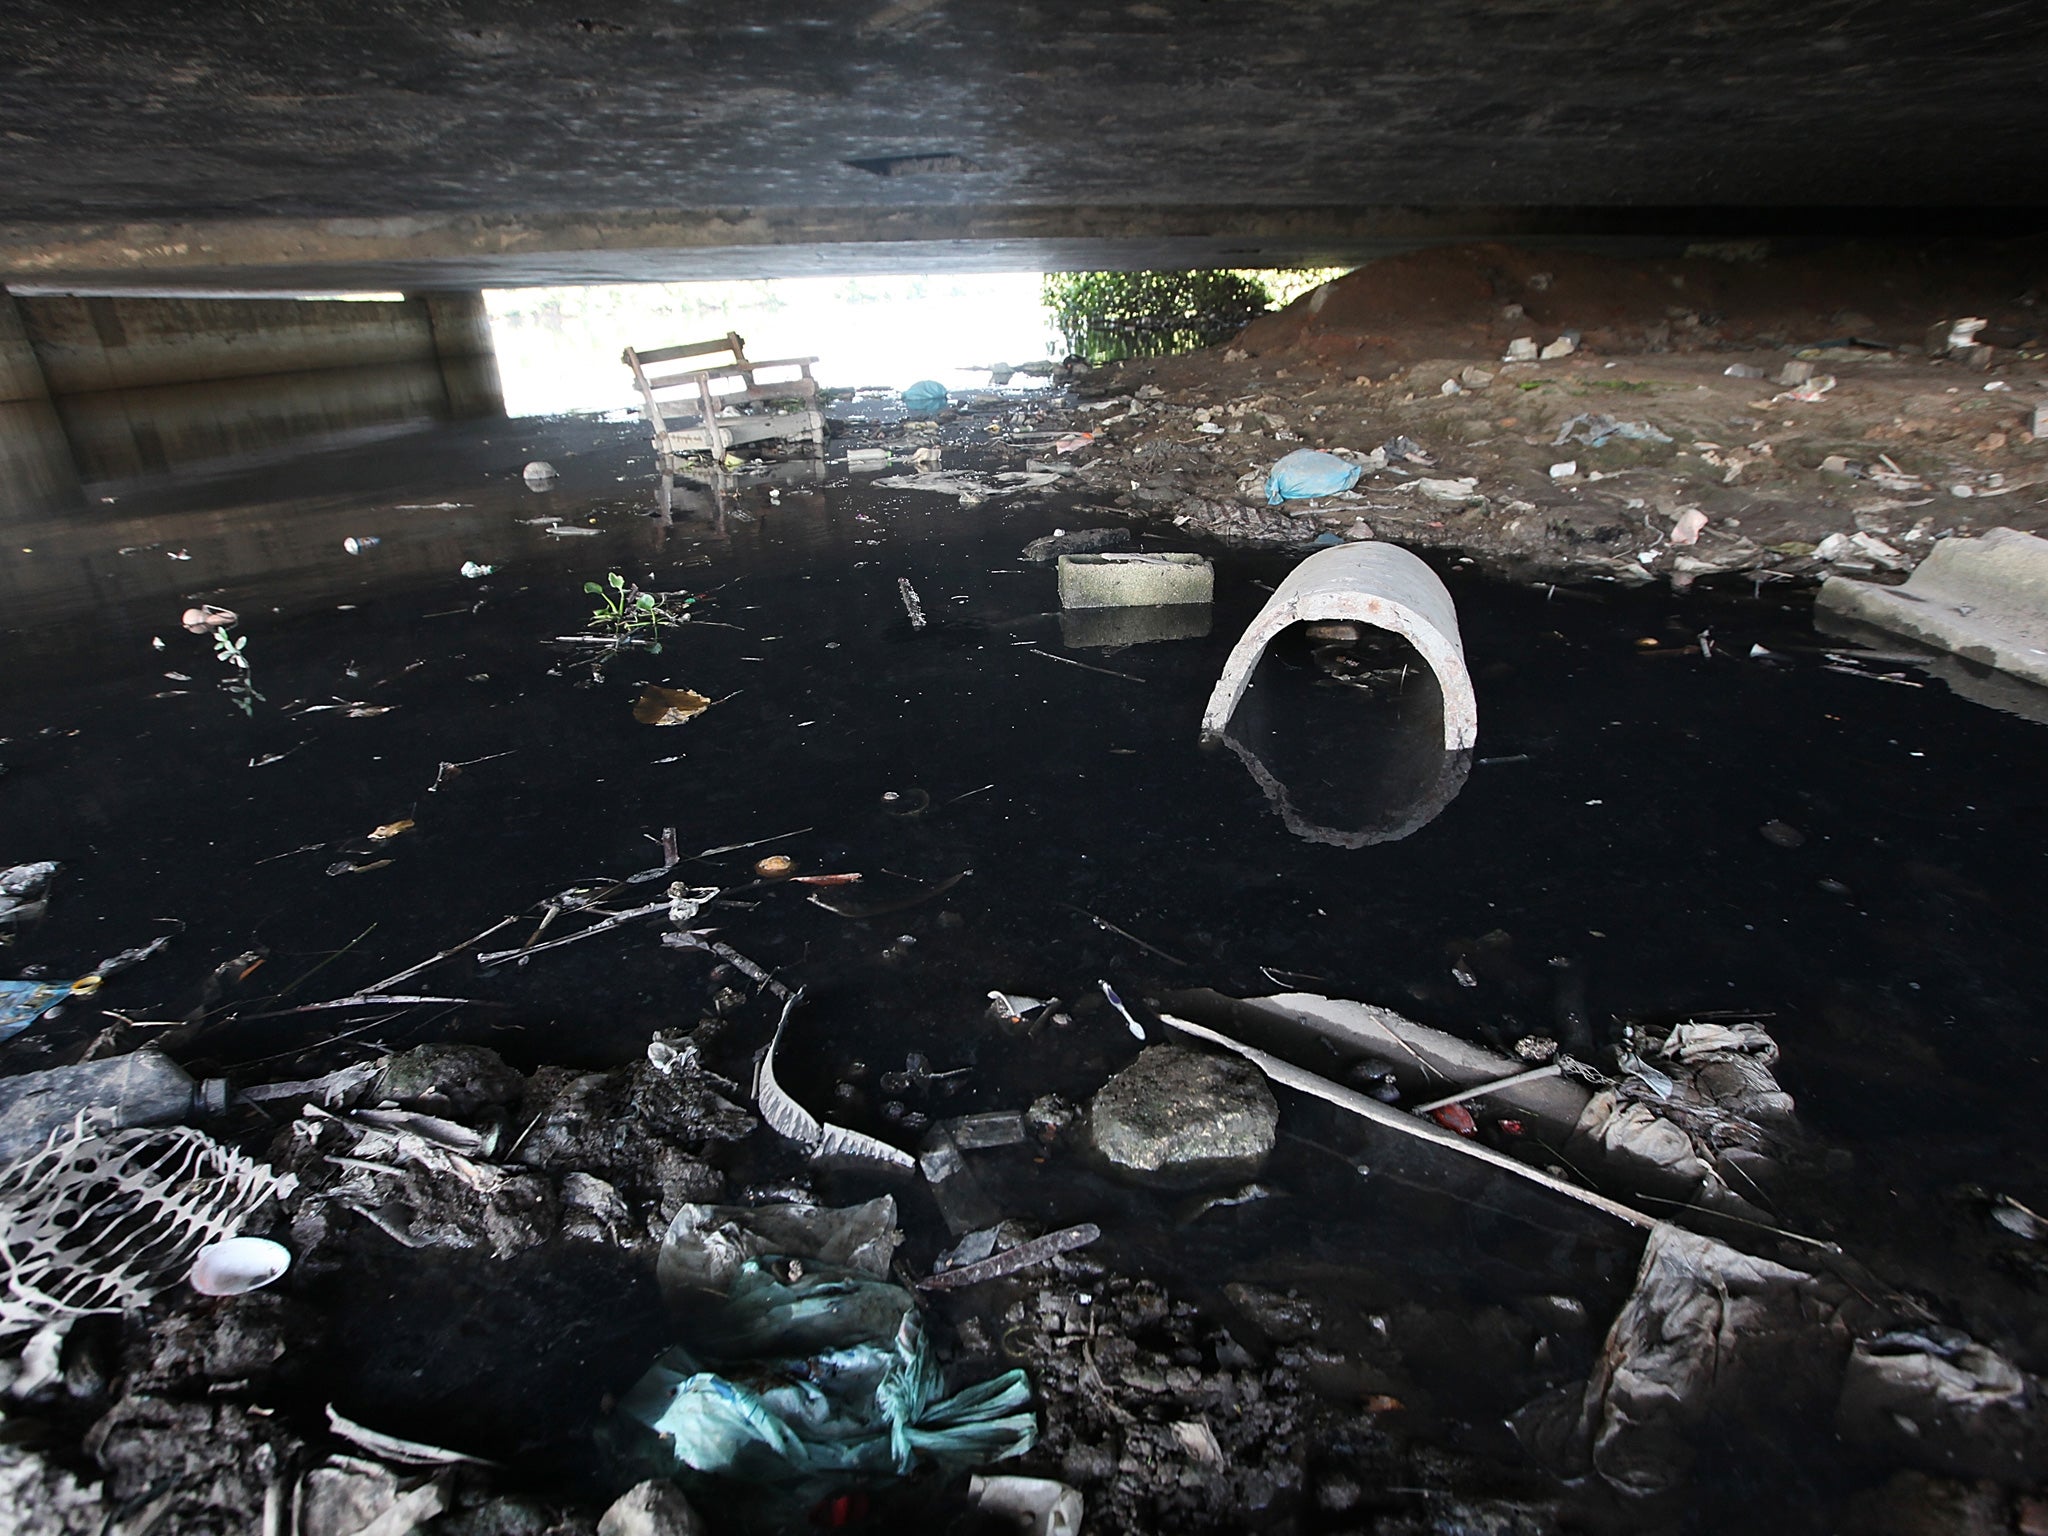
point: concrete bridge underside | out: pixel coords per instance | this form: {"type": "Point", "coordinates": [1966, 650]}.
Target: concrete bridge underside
{"type": "Point", "coordinates": [290, 145]}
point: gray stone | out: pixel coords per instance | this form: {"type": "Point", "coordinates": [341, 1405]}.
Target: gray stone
{"type": "Point", "coordinates": [653, 1508]}
{"type": "Point", "coordinates": [448, 1079]}
{"type": "Point", "coordinates": [1180, 1116]}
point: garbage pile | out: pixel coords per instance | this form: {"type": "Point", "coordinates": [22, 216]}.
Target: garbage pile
{"type": "Point", "coordinates": [809, 1372]}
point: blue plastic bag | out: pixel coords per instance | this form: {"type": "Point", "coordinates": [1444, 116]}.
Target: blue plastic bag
{"type": "Point", "coordinates": [927, 397]}
{"type": "Point", "coordinates": [821, 1373]}
{"type": "Point", "coordinates": [1306, 472]}
{"type": "Point", "coordinates": [23, 1002]}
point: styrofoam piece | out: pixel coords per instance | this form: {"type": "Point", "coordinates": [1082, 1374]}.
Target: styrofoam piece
{"type": "Point", "coordinates": [1378, 584]}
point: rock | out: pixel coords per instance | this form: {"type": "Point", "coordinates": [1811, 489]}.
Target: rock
{"type": "Point", "coordinates": [1783, 834]}
{"type": "Point", "coordinates": [240, 1340]}
{"type": "Point", "coordinates": [1521, 350]}
{"type": "Point", "coordinates": [1282, 1319]}
{"type": "Point", "coordinates": [1795, 373]}
{"type": "Point", "coordinates": [211, 1457]}
{"type": "Point", "coordinates": [1564, 346]}
{"type": "Point", "coordinates": [1474, 378]}
{"type": "Point", "coordinates": [451, 1080]}
{"type": "Point", "coordinates": [592, 1211]}
{"type": "Point", "coordinates": [509, 1515]}
{"type": "Point", "coordinates": [1914, 1504]}
{"type": "Point", "coordinates": [43, 1499]}
{"type": "Point", "coordinates": [1178, 1115]}
{"type": "Point", "coordinates": [653, 1508]}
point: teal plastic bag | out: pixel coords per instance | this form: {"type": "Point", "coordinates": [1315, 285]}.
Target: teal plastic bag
{"type": "Point", "coordinates": [927, 397]}
{"type": "Point", "coordinates": [1305, 473]}
{"type": "Point", "coordinates": [809, 1371]}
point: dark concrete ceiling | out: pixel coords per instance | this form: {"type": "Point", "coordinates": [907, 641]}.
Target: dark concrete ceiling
{"type": "Point", "coordinates": [381, 141]}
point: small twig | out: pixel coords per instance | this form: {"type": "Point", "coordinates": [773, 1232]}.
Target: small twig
{"type": "Point", "coordinates": [613, 920]}
{"type": "Point", "coordinates": [1273, 974]}
{"type": "Point", "coordinates": [412, 971]}
{"type": "Point", "coordinates": [731, 956]}
{"type": "Point", "coordinates": [1129, 677]}
{"type": "Point", "coordinates": [884, 908]}
{"type": "Point", "coordinates": [309, 848]}
{"type": "Point", "coordinates": [1105, 923]}
{"type": "Point", "coordinates": [366, 1000]}
{"type": "Point", "coordinates": [1746, 1221]}
{"type": "Point", "coordinates": [1875, 677]}
{"type": "Point", "coordinates": [757, 843]}
{"type": "Point", "coordinates": [294, 986]}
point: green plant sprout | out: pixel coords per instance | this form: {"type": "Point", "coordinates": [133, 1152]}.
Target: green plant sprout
{"type": "Point", "coordinates": [633, 616]}
{"type": "Point", "coordinates": [232, 652]}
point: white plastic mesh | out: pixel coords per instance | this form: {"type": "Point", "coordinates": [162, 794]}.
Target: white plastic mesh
{"type": "Point", "coordinates": [100, 1223]}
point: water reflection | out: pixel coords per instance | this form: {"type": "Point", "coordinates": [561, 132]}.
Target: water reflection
{"type": "Point", "coordinates": [1344, 765]}
{"type": "Point", "coordinates": [37, 470]}
{"type": "Point", "coordinates": [1114, 628]}
{"type": "Point", "coordinates": [52, 450]}
{"type": "Point", "coordinates": [713, 493]}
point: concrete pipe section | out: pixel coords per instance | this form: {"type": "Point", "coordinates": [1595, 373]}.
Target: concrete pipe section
{"type": "Point", "coordinates": [1378, 584]}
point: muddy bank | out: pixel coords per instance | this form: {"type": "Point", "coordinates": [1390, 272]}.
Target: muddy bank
{"type": "Point", "coordinates": [1848, 413]}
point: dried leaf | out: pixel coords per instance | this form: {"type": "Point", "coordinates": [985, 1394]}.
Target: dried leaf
{"type": "Point", "coordinates": [669, 706]}
{"type": "Point", "coordinates": [391, 829]}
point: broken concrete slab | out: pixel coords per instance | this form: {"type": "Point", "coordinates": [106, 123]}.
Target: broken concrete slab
{"type": "Point", "coordinates": [1378, 584]}
{"type": "Point", "coordinates": [1165, 579]}
{"type": "Point", "coordinates": [1986, 599]}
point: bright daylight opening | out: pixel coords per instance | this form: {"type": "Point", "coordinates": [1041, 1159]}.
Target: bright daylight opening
{"type": "Point", "coordinates": [558, 348]}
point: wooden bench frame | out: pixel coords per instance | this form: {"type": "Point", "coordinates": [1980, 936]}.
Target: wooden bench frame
{"type": "Point", "coordinates": [712, 434]}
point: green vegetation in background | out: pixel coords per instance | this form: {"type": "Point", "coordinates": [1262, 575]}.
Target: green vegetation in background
{"type": "Point", "coordinates": [1107, 316]}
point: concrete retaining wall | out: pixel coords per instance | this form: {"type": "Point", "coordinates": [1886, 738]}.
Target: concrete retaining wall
{"type": "Point", "coordinates": [95, 343]}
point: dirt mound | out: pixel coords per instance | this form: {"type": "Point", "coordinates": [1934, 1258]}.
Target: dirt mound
{"type": "Point", "coordinates": [1457, 300]}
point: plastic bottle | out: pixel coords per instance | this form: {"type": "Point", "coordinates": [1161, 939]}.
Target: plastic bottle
{"type": "Point", "coordinates": [143, 1088]}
